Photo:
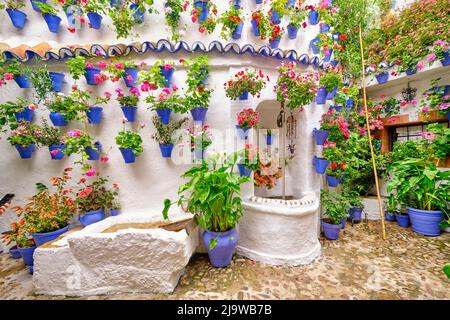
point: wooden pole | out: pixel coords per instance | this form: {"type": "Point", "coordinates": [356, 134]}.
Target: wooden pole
{"type": "Point", "coordinates": [283, 152]}
{"type": "Point", "coordinates": [363, 68]}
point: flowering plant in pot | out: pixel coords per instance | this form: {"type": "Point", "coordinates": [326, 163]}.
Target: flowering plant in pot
{"type": "Point", "coordinates": [391, 106]}
{"type": "Point", "coordinates": [18, 17]}
{"type": "Point", "coordinates": [91, 107]}
{"type": "Point", "coordinates": [166, 134]}
{"type": "Point", "coordinates": [80, 142]}
{"type": "Point", "coordinates": [381, 74]}
{"type": "Point", "coordinates": [50, 15]}
{"type": "Point", "coordinates": [126, 69]}
{"type": "Point", "coordinates": [441, 51]}
{"type": "Point", "coordinates": [50, 136]}
{"type": "Point", "coordinates": [197, 102]}
{"type": "Point", "coordinates": [436, 99]}
{"type": "Point", "coordinates": [438, 136]}
{"type": "Point", "coordinates": [297, 17]}
{"type": "Point", "coordinates": [247, 119]}
{"type": "Point", "coordinates": [200, 139]}
{"type": "Point", "coordinates": [335, 172]}
{"type": "Point", "coordinates": [275, 36]}
{"type": "Point", "coordinates": [245, 82]}
{"type": "Point", "coordinates": [23, 138]}
{"type": "Point", "coordinates": [336, 210]}
{"type": "Point", "coordinates": [166, 71]}
{"type": "Point", "coordinates": [278, 9]}
{"type": "Point", "coordinates": [329, 82]}
{"type": "Point", "coordinates": [211, 194]}
{"type": "Point", "coordinates": [172, 11]}
{"type": "Point", "coordinates": [165, 102]}
{"type": "Point", "coordinates": [261, 24]}
{"type": "Point", "coordinates": [128, 103]}
{"type": "Point", "coordinates": [354, 199]}
{"type": "Point", "coordinates": [47, 214]}
{"type": "Point", "coordinates": [247, 160]}
{"type": "Point", "coordinates": [197, 73]}
{"type": "Point", "coordinates": [22, 109]}
{"type": "Point", "coordinates": [204, 12]}
{"type": "Point", "coordinates": [23, 239]}
{"type": "Point", "coordinates": [63, 109]}
{"type": "Point", "coordinates": [17, 71]}
{"type": "Point", "coordinates": [232, 22]}
{"type": "Point", "coordinates": [266, 175]}
{"type": "Point", "coordinates": [94, 10]}
{"type": "Point", "coordinates": [345, 96]}
{"type": "Point", "coordinates": [130, 144]}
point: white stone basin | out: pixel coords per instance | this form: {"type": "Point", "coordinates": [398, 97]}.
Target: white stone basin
{"type": "Point", "coordinates": [280, 232]}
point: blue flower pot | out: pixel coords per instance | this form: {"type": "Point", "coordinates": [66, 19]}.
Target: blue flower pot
{"type": "Point", "coordinates": [199, 114]}
{"type": "Point", "coordinates": [42, 238]}
{"type": "Point", "coordinates": [203, 8]}
{"type": "Point", "coordinates": [334, 63]}
{"type": "Point", "coordinates": [258, 1]}
{"type": "Point", "coordinates": [167, 74]}
{"type": "Point", "coordinates": [26, 153]}
{"type": "Point", "coordinates": [332, 181]}
{"type": "Point", "coordinates": [94, 115]}
{"type": "Point", "coordinates": [389, 217]}
{"type": "Point", "coordinates": [129, 113]}
{"type": "Point", "coordinates": [243, 171]}
{"type": "Point", "coordinates": [133, 72]}
{"type": "Point", "coordinates": [411, 71]}
{"type": "Point", "coordinates": [221, 254]}
{"type": "Point", "coordinates": [446, 60]}
{"type": "Point", "coordinates": [321, 96]}
{"type": "Point", "coordinates": [275, 17]}
{"type": "Point", "coordinates": [166, 150]}
{"type": "Point", "coordinates": [426, 222]}
{"type": "Point", "coordinates": [350, 103]}
{"type": "Point", "coordinates": [314, 44]}
{"type": "Point", "coordinates": [237, 33]}
{"type": "Point", "coordinates": [115, 212]}
{"type": "Point", "coordinates": [128, 155]}
{"type": "Point", "coordinates": [448, 115]}
{"type": "Point", "coordinates": [18, 18]}
{"type": "Point", "coordinates": [58, 119]}
{"type": "Point", "coordinates": [92, 217]}
{"type": "Point", "coordinates": [382, 77]}
{"type": "Point", "coordinates": [138, 14]}
{"type": "Point", "coordinates": [356, 213]}
{"type": "Point", "coordinates": [269, 139]}
{"type": "Point", "coordinates": [328, 55]}
{"type": "Point", "coordinates": [290, 3]}
{"type": "Point", "coordinates": [94, 152]}
{"type": "Point", "coordinates": [331, 94]}
{"type": "Point", "coordinates": [53, 22]}
{"type": "Point", "coordinates": [237, 4]}
{"type": "Point", "coordinates": [26, 115]}
{"type": "Point", "coordinates": [27, 255]}
{"type": "Point", "coordinates": [343, 223]}
{"type": "Point", "coordinates": [331, 231]}
{"type": "Point", "coordinates": [95, 19]}
{"type": "Point", "coordinates": [256, 30]}
{"type": "Point", "coordinates": [292, 32]}
{"type": "Point", "coordinates": [243, 132]}
{"type": "Point", "coordinates": [57, 79]}
{"type": "Point", "coordinates": [35, 7]}
{"type": "Point", "coordinates": [313, 18]}
{"type": "Point", "coordinates": [321, 136]}
{"type": "Point", "coordinates": [324, 28]}
{"type": "Point", "coordinates": [336, 108]}
{"type": "Point", "coordinates": [14, 252]}
{"type": "Point", "coordinates": [164, 115]}
{"type": "Point", "coordinates": [90, 74]}
{"type": "Point", "coordinates": [60, 153]}
{"type": "Point", "coordinates": [116, 3]}
{"type": "Point", "coordinates": [22, 81]}
{"type": "Point", "coordinates": [402, 220]}
{"type": "Point", "coordinates": [244, 96]}
{"type": "Point", "coordinates": [275, 43]}
{"type": "Point", "coordinates": [321, 165]}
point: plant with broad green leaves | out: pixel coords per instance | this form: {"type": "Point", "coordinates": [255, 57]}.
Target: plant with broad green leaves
{"type": "Point", "coordinates": [165, 134]}
{"type": "Point", "coordinates": [97, 6]}
{"type": "Point", "coordinates": [331, 79]}
{"type": "Point", "coordinates": [297, 16]}
{"type": "Point", "coordinates": [46, 8]}
{"type": "Point", "coordinates": [336, 206]}
{"type": "Point", "coordinates": [153, 77]}
{"type": "Point", "coordinates": [280, 6]}
{"type": "Point", "coordinates": [198, 71]}
{"type": "Point", "coordinates": [67, 106]}
{"type": "Point", "coordinates": [128, 139]}
{"type": "Point", "coordinates": [77, 67]}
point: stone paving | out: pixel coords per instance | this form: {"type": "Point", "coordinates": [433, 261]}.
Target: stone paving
{"type": "Point", "coordinates": [358, 266]}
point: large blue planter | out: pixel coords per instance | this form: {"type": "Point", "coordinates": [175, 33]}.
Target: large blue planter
{"type": "Point", "coordinates": [22, 81]}
{"type": "Point", "coordinates": [92, 217]}
{"type": "Point", "coordinates": [42, 238]}
{"type": "Point", "coordinates": [356, 213]}
{"type": "Point", "coordinates": [402, 220]}
{"type": "Point", "coordinates": [26, 115]}
{"type": "Point", "coordinates": [331, 231]}
{"type": "Point", "coordinates": [138, 14]}
{"type": "Point", "coordinates": [411, 71]}
{"type": "Point", "coordinates": [446, 60]}
{"type": "Point", "coordinates": [243, 171]}
{"type": "Point", "coordinates": [237, 33]}
{"type": "Point", "coordinates": [166, 150]}
{"type": "Point", "coordinates": [18, 18]}
{"type": "Point", "coordinates": [199, 114]}
{"type": "Point", "coordinates": [128, 155]}
{"type": "Point", "coordinates": [426, 222]}
{"type": "Point", "coordinates": [58, 119]}
{"type": "Point", "coordinates": [275, 43]}
{"type": "Point", "coordinates": [382, 77]}
{"type": "Point", "coordinates": [59, 148]}
{"type": "Point", "coordinates": [275, 17]}
{"type": "Point", "coordinates": [243, 132]}
{"type": "Point", "coordinates": [321, 96]}
{"type": "Point", "coordinates": [313, 18]}
{"type": "Point", "coordinates": [389, 217]}
{"type": "Point", "coordinates": [14, 252]}
{"type": "Point", "coordinates": [221, 254]}
{"type": "Point", "coordinates": [90, 74]}
{"type": "Point", "coordinates": [35, 7]}
{"type": "Point", "coordinates": [333, 182]}
{"type": "Point", "coordinates": [129, 113]}
{"type": "Point", "coordinates": [94, 115]}
{"type": "Point", "coordinates": [321, 136]}
{"type": "Point", "coordinates": [94, 152]}
{"type": "Point", "coordinates": [324, 28]}
{"type": "Point", "coordinates": [53, 22]}
{"type": "Point", "coordinates": [321, 165]}
{"type": "Point", "coordinates": [133, 72]}
{"type": "Point", "coordinates": [57, 79]}
{"type": "Point", "coordinates": [256, 30]}
{"type": "Point", "coordinates": [314, 44]}
{"type": "Point", "coordinates": [26, 153]}
{"type": "Point", "coordinates": [27, 255]}
{"type": "Point", "coordinates": [244, 96]}
{"type": "Point", "coordinates": [164, 115]}
{"type": "Point", "coordinates": [167, 74]}
{"type": "Point", "coordinates": [292, 32]}
{"type": "Point", "coordinates": [95, 19]}
{"type": "Point", "coordinates": [203, 8]}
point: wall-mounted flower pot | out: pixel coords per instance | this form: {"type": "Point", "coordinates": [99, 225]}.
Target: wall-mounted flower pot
{"type": "Point", "coordinates": [199, 154]}
{"type": "Point", "coordinates": [275, 17]}
{"type": "Point", "coordinates": [95, 19]}
{"type": "Point", "coordinates": [290, 3]}
{"type": "Point", "coordinates": [274, 43]}
{"type": "Point", "coordinates": [220, 256]}
{"type": "Point", "coordinates": [446, 59]}
{"type": "Point", "coordinates": [58, 119]}
{"type": "Point", "coordinates": [389, 217]}
{"type": "Point", "coordinates": [90, 74]}
{"type": "Point", "coordinates": [426, 222]}
{"type": "Point", "coordinates": [321, 96]}
{"type": "Point", "coordinates": [237, 33]}
{"type": "Point", "coordinates": [42, 238]}
{"type": "Point", "coordinates": [167, 74]}
{"type": "Point", "coordinates": [320, 136]}
{"type": "Point", "coordinates": [199, 114]}
{"type": "Point", "coordinates": [14, 253]}
{"type": "Point", "coordinates": [402, 220]}
{"type": "Point", "coordinates": [350, 103]}
{"type": "Point", "coordinates": [128, 155]}
{"type": "Point", "coordinates": [94, 115]}
{"type": "Point", "coordinates": [138, 14]}
{"type": "Point", "coordinates": [255, 27]}
{"type": "Point", "coordinates": [331, 94]}
{"type": "Point", "coordinates": [202, 6]}
{"type": "Point", "coordinates": [292, 32]}
{"type": "Point", "coordinates": [53, 22]}
{"type": "Point", "coordinates": [35, 7]}
{"type": "Point", "coordinates": [27, 255]}
{"type": "Point", "coordinates": [133, 73]}
{"type": "Point", "coordinates": [328, 55]}
{"type": "Point", "coordinates": [22, 81]}
{"type": "Point", "coordinates": [92, 217]}
{"type": "Point", "coordinates": [242, 132]}
{"type": "Point", "coordinates": [244, 96]}
{"type": "Point", "coordinates": [58, 80]}
{"type": "Point", "coordinates": [313, 18]}
{"type": "Point", "coordinates": [244, 171]}
{"type": "Point", "coordinates": [166, 150]}
{"type": "Point", "coordinates": [258, 1]}
{"type": "Point", "coordinates": [115, 212]}
{"type": "Point", "coordinates": [164, 115]}
{"type": "Point", "coordinates": [25, 152]}
{"type": "Point", "coordinates": [72, 11]}
{"type": "Point", "coordinates": [56, 151]}
{"type": "Point", "coordinates": [269, 139]}
{"type": "Point", "coordinates": [336, 108]}
{"type": "Point", "coordinates": [237, 4]}
{"type": "Point", "coordinates": [129, 113]}
{"type": "Point", "coordinates": [382, 77]}
{"type": "Point", "coordinates": [411, 71]}
{"type": "Point", "coordinates": [333, 182]}
{"type": "Point", "coordinates": [356, 213]}
{"type": "Point", "coordinates": [26, 115]}
{"type": "Point", "coordinates": [94, 152]}
{"type": "Point", "coordinates": [321, 165]}
{"type": "Point", "coordinates": [331, 231]}
{"type": "Point", "coordinates": [314, 45]}
{"type": "Point", "coordinates": [18, 18]}
{"type": "Point", "coordinates": [116, 3]}
{"type": "Point", "coordinates": [325, 27]}
{"type": "Point", "coordinates": [334, 63]}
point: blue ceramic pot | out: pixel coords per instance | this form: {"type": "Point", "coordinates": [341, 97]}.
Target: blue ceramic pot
{"type": "Point", "coordinates": [167, 74]}
{"type": "Point", "coordinates": [314, 45]}
{"type": "Point", "coordinates": [59, 148]}
{"type": "Point", "coordinates": [22, 81]}
{"type": "Point", "coordinates": [324, 28]}
{"type": "Point", "coordinates": [336, 108]}
{"type": "Point", "coordinates": [343, 223]}
{"type": "Point", "coordinates": [129, 113]}
{"type": "Point", "coordinates": [166, 150]}
{"type": "Point", "coordinates": [14, 252]}
{"type": "Point", "coordinates": [275, 43]}
{"type": "Point", "coordinates": [243, 132]}
{"type": "Point", "coordinates": [292, 32]}
{"type": "Point", "coordinates": [164, 115]}
{"type": "Point", "coordinates": [313, 18]}
{"type": "Point", "coordinates": [35, 7]}
{"type": "Point", "coordinates": [53, 22]}
{"type": "Point", "coordinates": [42, 238]}
{"type": "Point", "coordinates": [411, 71]}
{"type": "Point", "coordinates": [321, 136]}
{"type": "Point", "coordinates": [57, 79]}
{"type": "Point", "coordinates": [237, 33]}
{"type": "Point", "coordinates": [446, 60]}
{"type": "Point", "coordinates": [26, 115]}
{"type": "Point", "coordinates": [58, 119]}
{"type": "Point", "coordinates": [333, 182]}
{"type": "Point", "coordinates": [92, 217]}
{"type": "Point", "coordinates": [382, 77]}
{"type": "Point", "coordinates": [426, 222]}
{"type": "Point", "coordinates": [237, 4]}
{"type": "Point", "coordinates": [90, 74]}
{"type": "Point", "coordinates": [389, 217]}
{"type": "Point", "coordinates": [115, 212]}
{"type": "Point", "coordinates": [321, 96]}
{"type": "Point", "coordinates": [356, 213]}
{"type": "Point", "coordinates": [256, 30]}
{"type": "Point", "coordinates": [94, 115]}
{"type": "Point", "coordinates": [94, 152]}
{"type": "Point", "coordinates": [199, 114]}
{"type": "Point", "coordinates": [269, 139]}
{"type": "Point", "coordinates": [221, 254]}
{"type": "Point", "coordinates": [95, 19]}
{"type": "Point", "coordinates": [128, 155]}
{"type": "Point", "coordinates": [275, 17]}
{"type": "Point", "coordinates": [331, 231]}
{"type": "Point", "coordinates": [26, 153]}
{"type": "Point", "coordinates": [133, 72]}
{"type": "Point", "coordinates": [27, 255]}
{"type": "Point", "coordinates": [244, 96]}
{"type": "Point", "coordinates": [138, 14]}
{"type": "Point", "coordinates": [331, 94]}
{"type": "Point", "coordinates": [18, 18]}
{"type": "Point", "coordinates": [328, 55]}
{"type": "Point", "coordinates": [402, 220]}
{"type": "Point", "coordinates": [321, 165]}
{"type": "Point", "coordinates": [258, 1]}
{"type": "Point", "coordinates": [350, 103]}
{"type": "Point", "coordinates": [243, 171]}
{"type": "Point", "coordinates": [203, 8]}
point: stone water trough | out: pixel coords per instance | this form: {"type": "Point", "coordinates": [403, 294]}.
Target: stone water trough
{"type": "Point", "coordinates": [117, 255]}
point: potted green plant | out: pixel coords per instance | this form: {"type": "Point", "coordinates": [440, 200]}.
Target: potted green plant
{"type": "Point", "coordinates": [126, 69]}
{"type": "Point", "coordinates": [212, 196]}
{"type": "Point", "coordinates": [128, 103]}
{"type": "Point", "coordinates": [23, 239]}
{"type": "Point", "coordinates": [50, 137]}
{"type": "Point", "coordinates": [232, 22]}
{"type": "Point", "coordinates": [200, 139]}
{"type": "Point", "coordinates": [247, 160]}
{"type": "Point", "coordinates": [63, 109]}
{"type": "Point", "coordinates": [165, 102]}
{"type": "Point", "coordinates": [247, 119]}
{"type": "Point", "coordinates": [204, 12]}
{"type": "Point", "coordinates": [50, 15]}
{"type": "Point", "coordinates": [130, 144]}
{"type": "Point", "coordinates": [172, 11]}
{"type": "Point", "coordinates": [345, 96]}
{"type": "Point", "coordinates": [245, 82]}
{"type": "Point", "coordinates": [275, 36]}
{"type": "Point", "coordinates": [329, 83]}
{"type": "Point", "coordinates": [297, 17]}
{"type": "Point", "coordinates": [197, 73]}
{"type": "Point", "coordinates": [197, 102]}
{"type": "Point", "coordinates": [19, 72]}
{"type": "Point", "coordinates": [391, 208]}
{"type": "Point", "coordinates": [18, 17]}
{"type": "Point", "coordinates": [80, 142]}
{"type": "Point", "coordinates": [94, 9]}
{"type": "Point", "coordinates": [165, 134]}
{"type": "Point", "coordinates": [391, 107]}
{"type": "Point", "coordinates": [23, 138]}
{"type": "Point", "coordinates": [41, 81]}
{"type": "Point", "coordinates": [336, 207]}
{"type": "Point", "coordinates": [261, 24]}
{"type": "Point", "coordinates": [83, 102]}
{"type": "Point", "coordinates": [22, 109]}
{"type": "Point", "coordinates": [278, 9]}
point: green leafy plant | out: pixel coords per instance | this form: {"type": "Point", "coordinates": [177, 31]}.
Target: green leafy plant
{"type": "Point", "coordinates": [167, 98]}
{"type": "Point", "coordinates": [173, 10]}
{"type": "Point", "coordinates": [197, 71]}
{"type": "Point", "coordinates": [77, 66]}
{"type": "Point", "coordinates": [67, 106]}
{"type": "Point", "coordinates": [336, 206]}
{"type": "Point", "coordinates": [46, 8]}
{"type": "Point", "coordinates": [263, 23]}
{"type": "Point", "coordinates": [94, 195]}
{"type": "Point", "coordinates": [209, 24]}
{"type": "Point", "coordinates": [247, 80]}
{"type": "Point", "coordinates": [23, 136]}
{"type": "Point", "coordinates": [130, 139]}
{"type": "Point", "coordinates": [297, 16]}
{"type": "Point", "coordinates": [122, 20]}
{"type": "Point", "coordinates": [76, 142]}
{"type": "Point", "coordinates": [279, 6]}
{"type": "Point", "coordinates": [41, 81]}
{"type": "Point", "coordinates": [47, 135]}
{"type": "Point", "coordinates": [165, 134]}
{"type": "Point", "coordinates": [153, 77]}
{"type": "Point", "coordinates": [439, 136]}
{"type": "Point", "coordinates": [13, 5]}
{"type": "Point", "coordinates": [330, 80]}
{"type": "Point", "coordinates": [249, 157]}
{"type": "Point", "coordinates": [198, 98]}
{"type": "Point", "coordinates": [200, 137]}
{"type": "Point", "coordinates": [344, 94]}
{"type": "Point", "coordinates": [15, 67]}
{"type": "Point", "coordinates": [97, 6]}
{"type": "Point", "coordinates": [230, 19]}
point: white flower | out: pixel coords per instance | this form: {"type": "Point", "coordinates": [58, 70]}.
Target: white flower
{"type": "Point", "coordinates": [168, 10]}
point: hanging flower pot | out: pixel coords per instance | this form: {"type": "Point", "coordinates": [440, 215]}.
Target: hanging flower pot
{"type": "Point", "coordinates": [321, 165]}
{"type": "Point", "coordinates": [331, 231]}
{"type": "Point", "coordinates": [274, 43]}
{"type": "Point", "coordinates": [35, 7]}
{"type": "Point", "coordinates": [402, 220]}
{"type": "Point", "coordinates": [58, 119]}
{"type": "Point", "coordinates": [426, 222]}
{"type": "Point", "coordinates": [255, 27]}
{"type": "Point", "coordinates": [56, 152]}
{"type": "Point", "coordinates": [203, 7]}
{"type": "Point", "coordinates": [258, 1]}
{"type": "Point", "coordinates": [332, 181]}
{"type": "Point", "coordinates": [26, 152]}
{"type": "Point", "coordinates": [95, 19]}
{"type": "Point", "coordinates": [164, 115]}
{"type": "Point", "coordinates": [290, 3]}
{"type": "Point", "coordinates": [327, 55]}
{"type": "Point", "coordinates": [94, 115]}
{"type": "Point", "coordinates": [129, 113]}
{"type": "Point", "coordinates": [237, 4]}
{"type": "Point", "coordinates": [336, 108]}
{"type": "Point", "coordinates": [26, 115]}
{"type": "Point", "coordinates": [166, 150]}
{"type": "Point", "coordinates": [128, 155]}
{"type": "Point", "coordinates": [350, 103]}
{"type": "Point", "coordinates": [138, 13]}
{"type": "Point", "coordinates": [94, 153]}
{"type": "Point", "coordinates": [18, 18]}
{"type": "Point", "coordinates": [57, 79]}
{"type": "Point", "coordinates": [356, 213]}
{"type": "Point", "coordinates": [42, 238]}
{"type": "Point", "coordinates": [53, 22]}
{"type": "Point", "coordinates": [321, 136]}
{"type": "Point", "coordinates": [92, 217]}
{"type": "Point", "coordinates": [334, 63]}
{"type": "Point", "coordinates": [382, 77]}
{"type": "Point", "coordinates": [411, 71]}
{"type": "Point", "coordinates": [313, 18]}
{"type": "Point", "coordinates": [244, 96]}
{"type": "Point", "coordinates": [199, 154]}
{"type": "Point", "coordinates": [14, 253]}
{"type": "Point", "coordinates": [115, 212]}
{"type": "Point", "coordinates": [388, 216]}
{"type": "Point", "coordinates": [331, 94]}
{"type": "Point", "coordinates": [133, 73]}
{"type": "Point", "coordinates": [237, 33]}
{"type": "Point", "coordinates": [22, 81]}
{"type": "Point", "coordinates": [116, 3]}
{"type": "Point", "coordinates": [446, 59]}
{"type": "Point", "coordinates": [27, 255]}
{"type": "Point", "coordinates": [275, 17]}
{"type": "Point", "coordinates": [269, 139]}
{"type": "Point", "coordinates": [221, 254]}
{"type": "Point", "coordinates": [314, 45]}
{"type": "Point", "coordinates": [325, 27]}
{"type": "Point", "coordinates": [321, 96]}
{"type": "Point", "coordinates": [167, 74]}
{"type": "Point", "coordinates": [244, 171]}
{"type": "Point", "coordinates": [243, 132]}
{"type": "Point", "coordinates": [90, 74]}
{"type": "Point", "coordinates": [292, 32]}
{"type": "Point", "coordinates": [199, 114]}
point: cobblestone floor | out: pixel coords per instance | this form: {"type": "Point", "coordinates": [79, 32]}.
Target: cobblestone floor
{"type": "Point", "coordinates": [358, 266]}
